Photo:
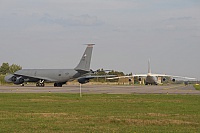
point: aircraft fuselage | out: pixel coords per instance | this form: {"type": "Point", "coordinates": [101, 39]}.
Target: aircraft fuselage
{"type": "Point", "coordinates": [49, 75]}
{"type": "Point", "coordinates": [153, 80]}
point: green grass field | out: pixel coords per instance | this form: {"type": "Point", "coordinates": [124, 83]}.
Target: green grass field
{"type": "Point", "coordinates": [99, 113]}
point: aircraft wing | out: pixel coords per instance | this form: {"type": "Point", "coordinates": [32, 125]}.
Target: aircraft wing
{"type": "Point", "coordinates": [139, 75]}
{"type": "Point", "coordinates": [186, 78]}
{"type": "Point", "coordinates": [97, 76]}
{"type": "Point", "coordinates": [172, 76]}
{"type": "Point", "coordinates": [118, 77]}
{"type": "Point", "coordinates": [131, 76]}
{"type": "Point", "coordinates": [86, 78]}
{"type": "Point", "coordinates": [161, 75]}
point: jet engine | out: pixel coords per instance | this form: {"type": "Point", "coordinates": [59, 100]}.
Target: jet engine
{"type": "Point", "coordinates": [13, 79]}
{"type": "Point", "coordinates": [173, 80]}
{"type": "Point", "coordinates": [83, 80]}
{"type": "Point", "coordinates": [19, 80]}
{"type": "Point", "coordinates": [164, 79]}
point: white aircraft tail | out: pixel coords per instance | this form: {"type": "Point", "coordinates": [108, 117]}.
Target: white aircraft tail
{"type": "Point", "coordinates": [149, 67]}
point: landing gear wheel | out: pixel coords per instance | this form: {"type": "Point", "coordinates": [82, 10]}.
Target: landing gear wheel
{"type": "Point", "coordinates": [37, 84]}
{"type": "Point", "coordinates": [57, 85]}
{"type": "Point", "coordinates": [40, 84]}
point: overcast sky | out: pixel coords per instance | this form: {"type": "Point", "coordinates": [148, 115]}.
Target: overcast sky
{"type": "Point", "coordinates": [50, 34]}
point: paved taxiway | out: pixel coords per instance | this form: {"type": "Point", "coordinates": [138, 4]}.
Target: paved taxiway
{"type": "Point", "coordinates": [103, 89]}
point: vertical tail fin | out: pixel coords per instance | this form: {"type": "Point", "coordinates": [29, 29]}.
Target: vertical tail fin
{"type": "Point", "coordinates": [149, 67]}
{"type": "Point", "coordinates": [84, 63]}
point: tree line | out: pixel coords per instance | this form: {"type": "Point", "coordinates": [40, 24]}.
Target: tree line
{"type": "Point", "coordinates": [6, 68]}
{"type": "Point", "coordinates": [100, 72]}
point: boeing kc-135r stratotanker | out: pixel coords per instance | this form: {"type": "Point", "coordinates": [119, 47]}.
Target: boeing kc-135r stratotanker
{"type": "Point", "coordinates": [81, 72]}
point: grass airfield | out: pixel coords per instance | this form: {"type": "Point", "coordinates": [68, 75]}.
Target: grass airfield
{"type": "Point", "coordinates": [58, 112]}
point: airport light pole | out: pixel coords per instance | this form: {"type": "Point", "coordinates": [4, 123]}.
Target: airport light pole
{"type": "Point", "coordinates": [80, 91]}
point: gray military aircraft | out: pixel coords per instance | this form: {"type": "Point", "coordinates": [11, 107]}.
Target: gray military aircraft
{"type": "Point", "coordinates": [81, 72]}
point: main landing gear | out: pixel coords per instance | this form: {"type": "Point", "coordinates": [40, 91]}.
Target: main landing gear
{"type": "Point", "coordinates": [40, 83]}
{"type": "Point", "coordinates": [58, 84]}
{"type": "Point", "coordinates": [22, 84]}
{"type": "Point", "coordinates": [151, 84]}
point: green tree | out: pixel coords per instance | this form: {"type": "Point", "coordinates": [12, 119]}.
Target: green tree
{"type": "Point", "coordinates": [99, 73]}
{"type": "Point", "coordinates": [4, 69]}
{"type": "Point", "coordinates": [14, 67]}
{"type": "Point", "coordinates": [117, 73]}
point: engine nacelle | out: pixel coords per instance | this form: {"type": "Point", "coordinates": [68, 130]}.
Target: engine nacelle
{"type": "Point", "coordinates": [13, 79]}
{"type": "Point", "coordinates": [19, 80]}
{"type": "Point", "coordinates": [10, 78]}
{"type": "Point", "coordinates": [83, 80]}
{"type": "Point", "coordinates": [164, 79]}
{"type": "Point", "coordinates": [173, 80]}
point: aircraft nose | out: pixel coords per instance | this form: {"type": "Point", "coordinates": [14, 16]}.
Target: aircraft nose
{"type": "Point", "coordinates": [8, 78]}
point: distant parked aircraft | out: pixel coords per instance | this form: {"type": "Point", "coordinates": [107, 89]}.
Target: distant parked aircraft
{"type": "Point", "coordinates": [151, 78]}
{"type": "Point", "coordinates": [81, 72]}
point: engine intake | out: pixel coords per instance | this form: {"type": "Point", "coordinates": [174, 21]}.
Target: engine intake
{"type": "Point", "coordinates": [14, 79]}
{"type": "Point", "coordinates": [19, 80]}
{"type": "Point", "coordinates": [164, 79]}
